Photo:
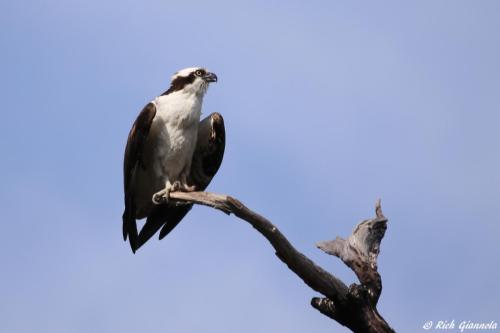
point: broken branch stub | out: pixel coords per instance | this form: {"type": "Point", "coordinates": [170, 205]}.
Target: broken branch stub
{"type": "Point", "coordinates": [360, 251]}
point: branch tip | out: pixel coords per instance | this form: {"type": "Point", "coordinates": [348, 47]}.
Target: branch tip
{"type": "Point", "coordinates": [378, 209]}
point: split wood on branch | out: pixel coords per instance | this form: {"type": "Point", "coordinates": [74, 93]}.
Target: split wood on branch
{"type": "Point", "coordinates": [353, 306]}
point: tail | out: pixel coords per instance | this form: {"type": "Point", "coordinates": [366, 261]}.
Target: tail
{"type": "Point", "coordinates": [164, 216]}
{"type": "Point", "coordinates": [173, 220]}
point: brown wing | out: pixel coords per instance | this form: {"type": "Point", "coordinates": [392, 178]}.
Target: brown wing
{"type": "Point", "coordinates": [207, 159]}
{"type": "Point", "coordinates": [133, 160]}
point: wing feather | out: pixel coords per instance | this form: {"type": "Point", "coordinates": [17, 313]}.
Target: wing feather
{"type": "Point", "coordinates": [133, 160]}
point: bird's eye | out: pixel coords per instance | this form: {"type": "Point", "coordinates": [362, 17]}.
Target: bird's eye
{"type": "Point", "coordinates": [198, 73]}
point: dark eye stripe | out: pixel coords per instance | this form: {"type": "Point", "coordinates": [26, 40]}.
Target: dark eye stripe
{"type": "Point", "coordinates": [180, 82]}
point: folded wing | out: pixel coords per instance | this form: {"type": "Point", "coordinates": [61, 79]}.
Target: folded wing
{"type": "Point", "coordinates": [132, 161]}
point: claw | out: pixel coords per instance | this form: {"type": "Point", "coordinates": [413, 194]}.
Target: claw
{"type": "Point", "coordinates": [184, 185]}
{"type": "Point", "coordinates": [187, 188]}
{"type": "Point", "coordinates": [176, 186]}
{"type": "Point", "coordinates": [161, 197]}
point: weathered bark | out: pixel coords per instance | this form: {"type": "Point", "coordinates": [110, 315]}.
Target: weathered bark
{"type": "Point", "coordinates": [353, 306]}
{"type": "Point", "coordinates": [360, 251]}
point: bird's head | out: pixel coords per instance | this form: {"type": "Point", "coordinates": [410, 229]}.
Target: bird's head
{"type": "Point", "coordinates": [193, 80]}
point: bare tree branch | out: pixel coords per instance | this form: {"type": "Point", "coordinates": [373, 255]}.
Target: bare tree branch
{"type": "Point", "coordinates": [354, 306]}
{"type": "Point", "coordinates": [360, 251]}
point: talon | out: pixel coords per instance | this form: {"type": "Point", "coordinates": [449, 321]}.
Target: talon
{"type": "Point", "coordinates": [189, 188]}
{"type": "Point", "coordinates": [157, 199]}
{"type": "Point", "coordinates": [176, 186]}
{"type": "Point", "coordinates": [186, 188]}
{"type": "Point", "coordinates": [161, 197]}
{"type": "Point", "coordinates": [184, 185]}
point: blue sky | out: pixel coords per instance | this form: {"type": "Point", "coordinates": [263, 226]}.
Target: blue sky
{"type": "Point", "coordinates": [328, 106]}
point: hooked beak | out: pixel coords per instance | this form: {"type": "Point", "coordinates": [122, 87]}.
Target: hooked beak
{"type": "Point", "coordinates": [210, 77]}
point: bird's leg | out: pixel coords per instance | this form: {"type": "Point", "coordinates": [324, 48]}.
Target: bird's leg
{"type": "Point", "coordinates": [163, 195]}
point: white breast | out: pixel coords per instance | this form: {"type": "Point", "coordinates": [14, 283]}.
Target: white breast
{"type": "Point", "coordinates": [175, 130]}
{"type": "Point", "coordinates": [178, 110]}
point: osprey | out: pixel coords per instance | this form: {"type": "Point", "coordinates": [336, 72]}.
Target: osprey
{"type": "Point", "coordinates": [161, 145]}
